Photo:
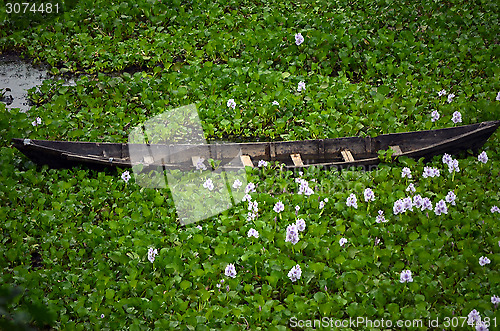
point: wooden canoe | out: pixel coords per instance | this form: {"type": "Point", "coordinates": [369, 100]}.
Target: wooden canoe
{"type": "Point", "coordinates": [339, 152]}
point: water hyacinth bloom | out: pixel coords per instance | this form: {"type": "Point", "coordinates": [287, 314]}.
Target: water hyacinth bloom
{"type": "Point", "coordinates": [447, 158]}
{"type": "Point", "coordinates": [200, 165]}
{"type": "Point", "coordinates": [276, 103]}
{"type": "Point", "coordinates": [482, 157]}
{"type": "Point", "coordinates": [398, 207]}
{"type": "Point", "coordinates": [301, 86]}
{"type": "Point", "coordinates": [231, 103]}
{"type": "Point", "coordinates": [453, 166]}
{"type": "Point", "coordinates": [342, 241]}
{"type": "Point", "coordinates": [126, 176]}
{"type": "Point", "coordinates": [483, 260]}
{"type": "Point", "coordinates": [352, 201]}
{"type": "Point", "coordinates": [418, 201]}
{"type": "Point", "coordinates": [299, 39]}
{"type": "Point", "coordinates": [441, 208]}
{"type": "Point", "coordinates": [369, 195]}
{"type": "Point", "coordinates": [408, 204]}
{"type": "Point", "coordinates": [495, 300]}
{"type": "Point", "coordinates": [102, 315]}
{"type": "Point", "coordinates": [495, 209]}
{"type": "Point", "coordinates": [473, 318]}
{"type": "Point", "coordinates": [237, 184]}
{"type": "Point", "coordinates": [411, 188]}
{"type": "Point", "coordinates": [450, 97]}
{"type": "Point", "coordinates": [247, 197]}
{"type": "Point", "coordinates": [295, 273]}
{"type": "Point", "coordinates": [152, 252]}
{"type": "Point", "coordinates": [208, 184]}
{"type": "Point", "coordinates": [457, 117]}
{"type": "Point", "coordinates": [406, 172]}
{"type": "Point", "coordinates": [199, 227]}
{"type": "Point", "coordinates": [292, 234]}
{"type": "Point", "coordinates": [426, 204]}
{"type": "Point", "coordinates": [450, 197]}
{"type": "Point", "coordinates": [321, 204]}
{"type": "Point", "coordinates": [430, 172]}
{"type": "Point", "coordinates": [230, 271]}
{"type": "Point", "coordinates": [434, 116]}
{"type": "Point", "coordinates": [405, 276]}
{"type": "Point", "coordinates": [481, 326]}
{"type": "Point", "coordinates": [262, 163]}
{"type": "Point", "coordinates": [297, 208]}
{"type": "Point", "coordinates": [498, 97]}
{"type": "Point", "coordinates": [441, 93]}
{"type": "Point", "coordinates": [380, 218]}
{"type": "Point", "coordinates": [300, 224]}
{"type": "Point", "coordinates": [250, 187]}
{"type": "Point", "coordinates": [253, 233]}
{"type": "Point", "coordinates": [279, 207]}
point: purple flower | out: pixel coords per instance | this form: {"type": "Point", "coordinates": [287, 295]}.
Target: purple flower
{"type": "Point", "coordinates": [152, 252]}
{"type": "Point", "coordinates": [208, 184]}
{"type": "Point", "coordinates": [301, 86]}
{"type": "Point", "coordinates": [299, 39]}
{"type": "Point", "coordinates": [380, 218]}
{"type": "Point", "coordinates": [369, 196]}
{"type": "Point", "coordinates": [247, 197]}
{"type": "Point", "coordinates": [405, 276]}
{"type": "Point", "coordinates": [279, 207]}
{"type": "Point", "coordinates": [321, 204]}
{"type": "Point", "coordinates": [342, 241]}
{"type": "Point", "coordinates": [430, 172]}
{"type": "Point", "coordinates": [231, 103]}
{"type": "Point", "coordinates": [295, 273]}
{"type": "Point", "coordinates": [418, 201]}
{"type": "Point", "coordinates": [292, 234]}
{"type": "Point", "coordinates": [482, 157]}
{"type": "Point", "coordinates": [450, 198]}
{"type": "Point", "coordinates": [495, 300]}
{"type": "Point", "coordinates": [481, 326]}
{"type": "Point", "coordinates": [450, 97]}
{"type": "Point", "coordinates": [453, 166]}
{"type": "Point", "coordinates": [473, 317]}
{"type": "Point", "coordinates": [37, 121]}
{"type": "Point", "coordinates": [441, 208]}
{"type": "Point", "coordinates": [411, 188]}
{"type": "Point", "coordinates": [406, 172]}
{"type": "Point", "coordinates": [398, 207]}
{"type": "Point", "coordinates": [426, 204]}
{"type": "Point", "coordinates": [495, 209]}
{"type": "Point", "coordinates": [408, 204]}
{"type": "Point", "coordinates": [434, 116]}
{"type": "Point", "coordinates": [199, 227]}
{"type": "Point", "coordinates": [262, 163]}
{"type": "Point", "coordinates": [276, 103]}
{"type": "Point", "coordinates": [237, 184]}
{"type": "Point", "coordinates": [352, 201]}
{"type": "Point", "coordinates": [253, 233]}
{"type": "Point", "coordinates": [441, 93]}
{"type": "Point", "coordinates": [102, 315]}
{"type": "Point", "coordinates": [457, 117]}
{"type": "Point", "coordinates": [126, 176]}
{"type": "Point", "coordinates": [498, 97]}
{"type": "Point", "coordinates": [300, 224]}
{"type": "Point", "coordinates": [200, 165]}
{"type": "Point", "coordinates": [230, 271]}
{"type": "Point", "coordinates": [447, 158]}
{"type": "Point", "coordinates": [483, 260]}
{"type": "Point", "coordinates": [250, 187]}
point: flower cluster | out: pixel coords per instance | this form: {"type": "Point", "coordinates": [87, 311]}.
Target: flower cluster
{"type": "Point", "coordinates": [250, 188]}
{"type": "Point", "coordinates": [495, 209]}
{"type": "Point", "coordinates": [276, 103]}
{"type": "Point", "coordinates": [402, 205]}
{"type": "Point", "coordinates": [253, 233]}
{"type": "Point", "coordinates": [299, 39]}
{"type": "Point", "coordinates": [262, 163]}
{"type": "Point", "coordinates": [253, 210]}
{"type": "Point", "coordinates": [483, 260]}
{"type": "Point", "coordinates": [200, 165]}
{"type": "Point", "coordinates": [295, 273]}
{"type": "Point", "coordinates": [279, 207]}
{"type": "Point", "coordinates": [292, 234]}
{"type": "Point", "coordinates": [322, 203]}
{"type": "Point", "coordinates": [441, 93]}
{"type": "Point", "coordinates": [304, 187]}
{"type": "Point", "coordinates": [300, 224]}
{"type": "Point", "coordinates": [450, 97]}
{"type": "Point", "coordinates": [208, 184]}
{"type": "Point", "coordinates": [482, 157]}
{"type": "Point", "coordinates": [405, 276]}
{"type": "Point", "coordinates": [380, 218]}
{"type": "Point", "coordinates": [352, 201]}
{"type": "Point", "coordinates": [231, 103]}
{"type": "Point", "coordinates": [230, 271]}
{"type": "Point", "coordinates": [430, 172]}
{"type": "Point", "coordinates": [152, 252]}
{"type": "Point", "coordinates": [126, 176]}
{"type": "Point", "coordinates": [434, 116]}
{"type": "Point", "coordinates": [441, 208]}
{"type": "Point", "coordinates": [495, 300]}
{"type": "Point", "coordinates": [301, 87]}
{"type": "Point", "coordinates": [450, 198]}
{"type": "Point", "coordinates": [498, 97]}
{"type": "Point", "coordinates": [457, 117]}
{"type": "Point", "coordinates": [342, 241]}
{"type": "Point", "coordinates": [37, 121]}
{"type": "Point", "coordinates": [406, 172]}
{"type": "Point", "coordinates": [237, 184]}
{"type": "Point", "coordinates": [369, 195]}
{"type": "Point", "coordinates": [451, 163]}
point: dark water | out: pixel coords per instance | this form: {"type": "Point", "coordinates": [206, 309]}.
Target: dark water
{"type": "Point", "coordinates": [17, 76]}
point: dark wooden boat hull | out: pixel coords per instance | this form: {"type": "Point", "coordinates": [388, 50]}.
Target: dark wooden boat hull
{"type": "Point", "coordinates": [339, 152]}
